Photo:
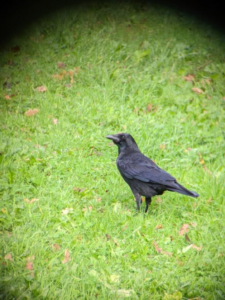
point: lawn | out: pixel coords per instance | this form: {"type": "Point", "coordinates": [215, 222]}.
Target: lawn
{"type": "Point", "coordinates": [68, 229]}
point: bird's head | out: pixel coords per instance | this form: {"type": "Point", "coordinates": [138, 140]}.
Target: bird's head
{"type": "Point", "coordinates": [123, 141]}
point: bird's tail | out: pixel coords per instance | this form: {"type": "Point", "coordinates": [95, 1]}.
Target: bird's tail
{"type": "Point", "coordinates": [182, 190]}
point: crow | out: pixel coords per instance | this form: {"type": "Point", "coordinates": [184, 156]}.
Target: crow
{"type": "Point", "coordinates": [143, 176]}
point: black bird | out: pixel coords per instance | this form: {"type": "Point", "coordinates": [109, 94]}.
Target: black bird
{"type": "Point", "coordinates": [143, 176]}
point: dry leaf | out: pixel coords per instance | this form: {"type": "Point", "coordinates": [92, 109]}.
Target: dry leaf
{"type": "Point", "coordinates": [29, 266]}
{"type": "Point", "coordinates": [90, 208]}
{"type": "Point", "coordinates": [55, 121]}
{"type": "Point", "coordinates": [209, 200]}
{"type": "Point", "coordinates": [149, 107]}
{"type": "Point", "coordinates": [66, 256]}
{"type": "Point", "coordinates": [108, 237]}
{"type": "Point", "coordinates": [158, 200]}
{"type": "Point", "coordinates": [196, 247]}
{"type": "Point", "coordinates": [61, 65]}
{"type": "Point", "coordinates": [197, 90]}
{"type": "Point", "coordinates": [77, 69]}
{"type": "Point", "coordinates": [67, 210]}
{"type": "Point", "coordinates": [159, 226]}
{"type": "Point", "coordinates": [162, 146]}
{"type": "Point", "coordinates": [41, 89]}
{"type": "Point", "coordinates": [184, 229]}
{"type": "Point", "coordinates": [56, 247]}
{"type": "Point", "coordinates": [159, 250]}
{"type": "Point", "coordinates": [189, 77]}
{"type": "Point", "coordinates": [31, 112]}
{"type": "Point", "coordinates": [8, 257]}
{"type": "Point", "coordinates": [7, 97]}
{"type": "Point", "coordinates": [80, 190]}
{"type": "Point", "coordinates": [187, 238]}
{"type": "Point", "coordinates": [31, 201]}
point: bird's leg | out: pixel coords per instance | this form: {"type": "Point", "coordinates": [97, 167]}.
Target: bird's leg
{"type": "Point", "coordinates": [148, 202]}
{"type": "Point", "coordinates": [138, 200]}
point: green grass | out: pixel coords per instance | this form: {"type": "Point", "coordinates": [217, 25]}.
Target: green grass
{"type": "Point", "coordinates": [129, 56]}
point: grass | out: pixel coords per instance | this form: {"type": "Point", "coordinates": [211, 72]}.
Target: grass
{"type": "Point", "coordinates": [67, 225]}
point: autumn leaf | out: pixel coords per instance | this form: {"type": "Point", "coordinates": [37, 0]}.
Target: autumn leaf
{"type": "Point", "coordinates": [29, 266]}
{"type": "Point", "coordinates": [162, 146]}
{"type": "Point", "coordinates": [31, 112]}
{"type": "Point", "coordinates": [55, 121]}
{"type": "Point", "coordinates": [7, 97]}
{"type": "Point", "coordinates": [159, 250]}
{"type": "Point", "coordinates": [197, 90]}
{"type": "Point", "coordinates": [159, 226]}
{"type": "Point", "coordinates": [31, 201]}
{"type": "Point", "coordinates": [8, 257]}
{"type": "Point", "coordinates": [77, 69]}
{"type": "Point", "coordinates": [189, 77]}
{"type": "Point", "coordinates": [196, 247]}
{"type": "Point", "coordinates": [67, 210]}
{"type": "Point", "coordinates": [149, 107]}
{"type": "Point", "coordinates": [61, 65]}
{"type": "Point", "coordinates": [66, 256]}
{"type": "Point", "coordinates": [184, 229]}
{"type": "Point", "coordinates": [56, 247]}
{"type": "Point", "coordinates": [41, 89]}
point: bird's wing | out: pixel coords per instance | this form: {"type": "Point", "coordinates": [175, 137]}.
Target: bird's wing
{"type": "Point", "coordinates": [144, 170]}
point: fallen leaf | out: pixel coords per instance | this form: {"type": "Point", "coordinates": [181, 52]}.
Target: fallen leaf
{"type": "Point", "coordinates": [15, 49]}
{"type": "Point", "coordinates": [162, 146]}
{"type": "Point", "coordinates": [56, 247]}
{"type": "Point", "coordinates": [187, 238]}
{"type": "Point", "coordinates": [108, 237]}
{"type": "Point", "coordinates": [197, 90]}
{"type": "Point", "coordinates": [158, 200]}
{"type": "Point", "coordinates": [77, 189]}
{"type": "Point", "coordinates": [7, 97]}
{"type": "Point", "coordinates": [209, 200]}
{"type": "Point", "coordinates": [67, 210]}
{"type": "Point", "coordinates": [66, 256]}
{"type": "Point", "coordinates": [159, 226]}
{"type": "Point", "coordinates": [31, 112]}
{"type": "Point", "coordinates": [98, 199]}
{"type": "Point", "coordinates": [159, 250]}
{"type": "Point", "coordinates": [184, 229]}
{"type": "Point", "coordinates": [196, 247]}
{"type": "Point", "coordinates": [189, 77]}
{"type": "Point", "coordinates": [55, 121]}
{"type": "Point", "coordinates": [41, 89]}
{"type": "Point", "coordinates": [77, 69]}
{"type": "Point", "coordinates": [29, 266]}
{"type": "Point", "coordinates": [8, 257]}
{"type": "Point", "coordinates": [125, 293]}
{"type": "Point", "coordinates": [149, 107]}
{"type": "Point", "coordinates": [31, 201]}
{"type": "Point", "coordinates": [61, 65]}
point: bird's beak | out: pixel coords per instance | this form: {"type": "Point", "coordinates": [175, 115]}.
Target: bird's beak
{"type": "Point", "coordinates": [114, 138]}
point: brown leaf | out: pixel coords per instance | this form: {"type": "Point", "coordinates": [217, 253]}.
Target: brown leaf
{"type": "Point", "coordinates": [31, 112]}
{"type": "Point", "coordinates": [184, 229]}
{"type": "Point", "coordinates": [149, 107]}
{"type": "Point", "coordinates": [162, 146]}
{"type": "Point", "coordinates": [56, 247]}
{"type": "Point", "coordinates": [67, 210]}
{"type": "Point", "coordinates": [79, 190]}
{"type": "Point", "coordinates": [209, 200]}
{"type": "Point", "coordinates": [15, 49]}
{"type": "Point", "coordinates": [158, 200]}
{"type": "Point", "coordinates": [7, 97]}
{"type": "Point", "coordinates": [61, 65]}
{"type": "Point", "coordinates": [77, 69]}
{"type": "Point", "coordinates": [90, 208]}
{"type": "Point", "coordinates": [108, 237]}
{"type": "Point", "coordinates": [189, 77]}
{"type": "Point", "coordinates": [187, 238]}
{"type": "Point", "coordinates": [197, 90]}
{"type": "Point", "coordinates": [31, 201]}
{"type": "Point", "coordinates": [41, 89]}
{"type": "Point", "coordinates": [55, 121]}
{"type": "Point", "coordinates": [66, 256]}
{"type": "Point", "coordinates": [159, 250]}
{"type": "Point", "coordinates": [29, 266]}
{"type": "Point", "coordinates": [159, 226]}
{"type": "Point", "coordinates": [8, 257]}
{"type": "Point", "coordinates": [196, 247]}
